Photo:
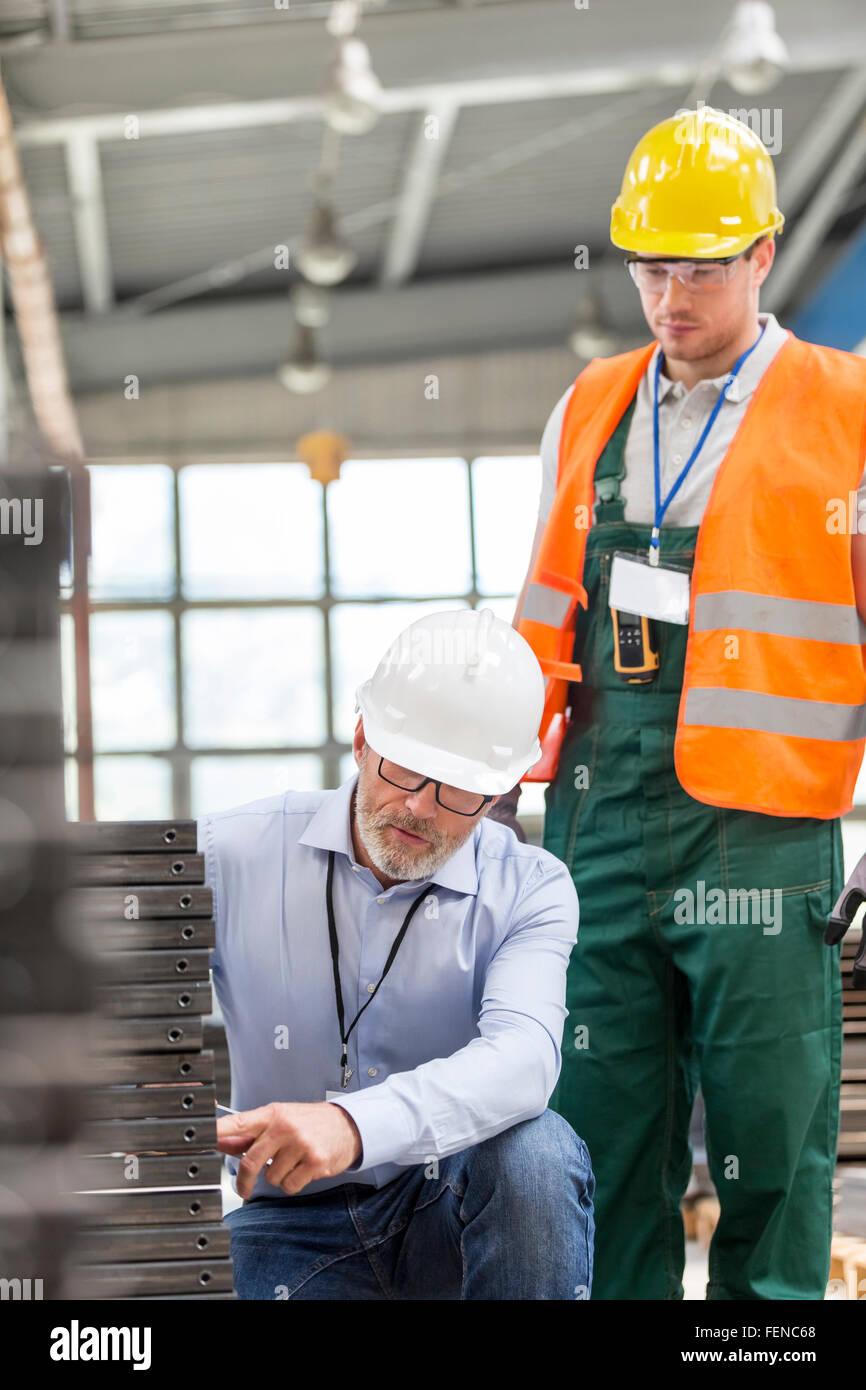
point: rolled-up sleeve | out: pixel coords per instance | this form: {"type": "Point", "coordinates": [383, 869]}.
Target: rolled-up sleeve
{"type": "Point", "coordinates": [506, 1074]}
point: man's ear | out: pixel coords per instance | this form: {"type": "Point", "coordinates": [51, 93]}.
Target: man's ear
{"type": "Point", "coordinates": [764, 255]}
{"type": "Point", "coordinates": [359, 743]}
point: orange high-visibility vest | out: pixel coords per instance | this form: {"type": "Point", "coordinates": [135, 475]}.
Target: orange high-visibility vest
{"type": "Point", "coordinates": [772, 716]}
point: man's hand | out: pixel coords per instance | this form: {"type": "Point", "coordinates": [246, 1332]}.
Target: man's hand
{"type": "Point", "coordinates": [306, 1142]}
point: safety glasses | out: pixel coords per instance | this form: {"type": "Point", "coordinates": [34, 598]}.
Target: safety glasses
{"type": "Point", "coordinates": [654, 276]}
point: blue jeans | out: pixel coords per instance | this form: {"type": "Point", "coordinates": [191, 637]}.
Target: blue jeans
{"type": "Point", "coordinates": [510, 1218]}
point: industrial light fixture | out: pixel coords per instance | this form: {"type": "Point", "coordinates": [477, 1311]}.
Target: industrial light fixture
{"type": "Point", "coordinates": [753, 56]}
{"type": "Point", "coordinates": [304, 374]}
{"type": "Point", "coordinates": [590, 337]}
{"type": "Point", "coordinates": [309, 304]}
{"type": "Point", "coordinates": [322, 255]}
{"type": "Point", "coordinates": [353, 95]}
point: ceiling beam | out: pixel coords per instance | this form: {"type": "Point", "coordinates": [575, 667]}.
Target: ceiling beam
{"type": "Point", "coordinates": [468, 313]}
{"type": "Point", "coordinates": [84, 174]}
{"type": "Point", "coordinates": [423, 56]}
{"type": "Point", "coordinates": [432, 139]}
{"type": "Point", "coordinates": [486, 91]}
{"type": "Point", "coordinates": [803, 167]}
{"type": "Point", "coordinates": [815, 222]}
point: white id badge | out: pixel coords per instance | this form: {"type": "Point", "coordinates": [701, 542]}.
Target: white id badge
{"type": "Point", "coordinates": [650, 591]}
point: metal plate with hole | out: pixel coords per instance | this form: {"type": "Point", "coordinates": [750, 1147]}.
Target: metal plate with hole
{"type": "Point", "coordinates": [103, 1172]}
{"type": "Point", "coordinates": [137, 1102]}
{"type": "Point", "coordinates": [140, 1001]}
{"type": "Point", "coordinates": [148, 1136]}
{"type": "Point", "coordinates": [148, 1034]}
{"type": "Point", "coordinates": [133, 837]}
{"type": "Point", "coordinates": [191, 1241]}
{"type": "Point", "coordinates": [159, 1276]}
{"type": "Point", "coordinates": [146, 967]}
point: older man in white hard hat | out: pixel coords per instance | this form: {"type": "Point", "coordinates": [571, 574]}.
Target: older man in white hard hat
{"type": "Point", "coordinates": [391, 968]}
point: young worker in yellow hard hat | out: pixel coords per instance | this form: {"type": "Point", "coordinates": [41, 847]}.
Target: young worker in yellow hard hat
{"type": "Point", "coordinates": [693, 603]}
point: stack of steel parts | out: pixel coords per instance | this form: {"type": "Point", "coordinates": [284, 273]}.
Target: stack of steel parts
{"type": "Point", "coordinates": [152, 1177]}
{"type": "Point", "coordinates": [44, 977]}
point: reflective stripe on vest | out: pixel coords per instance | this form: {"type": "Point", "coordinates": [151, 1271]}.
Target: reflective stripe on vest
{"type": "Point", "coordinates": [545, 605]}
{"type": "Point", "coordinates": [775, 714]}
{"type": "Point", "coordinates": [784, 617]}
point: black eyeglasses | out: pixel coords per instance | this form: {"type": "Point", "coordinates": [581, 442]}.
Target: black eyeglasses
{"type": "Point", "coordinates": [456, 799]}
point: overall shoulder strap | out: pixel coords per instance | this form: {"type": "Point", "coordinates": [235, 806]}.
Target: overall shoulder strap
{"type": "Point", "coordinates": [610, 471]}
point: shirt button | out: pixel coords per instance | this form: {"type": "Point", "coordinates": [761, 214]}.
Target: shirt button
{"type": "Point", "coordinates": [371, 989]}
{"type": "Point", "coordinates": [372, 1071]}
{"type": "Point", "coordinates": [356, 868]}
{"type": "Point", "coordinates": [678, 458]}
{"type": "Point", "coordinates": [685, 423]}
{"type": "Point", "coordinates": [381, 900]}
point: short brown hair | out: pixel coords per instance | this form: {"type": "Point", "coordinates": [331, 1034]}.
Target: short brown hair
{"type": "Point", "coordinates": [747, 255]}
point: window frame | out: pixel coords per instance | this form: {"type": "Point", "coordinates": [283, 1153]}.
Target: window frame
{"type": "Point", "coordinates": [180, 755]}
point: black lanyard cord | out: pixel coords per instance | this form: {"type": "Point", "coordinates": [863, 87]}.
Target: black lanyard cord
{"type": "Point", "coordinates": [335, 961]}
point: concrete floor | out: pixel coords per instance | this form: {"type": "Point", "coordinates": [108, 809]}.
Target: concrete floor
{"type": "Point", "coordinates": [696, 1272]}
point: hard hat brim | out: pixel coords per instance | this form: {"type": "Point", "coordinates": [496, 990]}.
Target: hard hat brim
{"type": "Point", "coordinates": [442, 765]}
{"type": "Point", "coordinates": [646, 241]}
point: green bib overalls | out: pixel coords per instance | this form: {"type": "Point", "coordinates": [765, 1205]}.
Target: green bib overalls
{"type": "Point", "coordinates": [672, 985]}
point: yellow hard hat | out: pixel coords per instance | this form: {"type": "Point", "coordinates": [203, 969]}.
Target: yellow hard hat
{"type": "Point", "coordinates": [700, 183]}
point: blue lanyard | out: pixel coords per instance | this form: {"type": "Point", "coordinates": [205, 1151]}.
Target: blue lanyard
{"type": "Point", "coordinates": [661, 507]}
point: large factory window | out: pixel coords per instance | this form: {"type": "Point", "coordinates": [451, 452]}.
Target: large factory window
{"type": "Point", "coordinates": [236, 608]}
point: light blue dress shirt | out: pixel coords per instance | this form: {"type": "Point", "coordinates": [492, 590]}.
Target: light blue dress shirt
{"type": "Point", "coordinates": [462, 1039]}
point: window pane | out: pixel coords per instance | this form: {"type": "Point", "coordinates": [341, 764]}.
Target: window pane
{"type": "Point", "coordinates": [505, 492]}
{"type": "Point", "coordinates": [71, 789]}
{"type": "Point", "coordinates": [502, 607]}
{"type": "Point", "coordinates": [348, 767]}
{"type": "Point", "coordinates": [360, 635]}
{"type": "Point", "coordinates": [250, 531]}
{"type": "Point", "coordinates": [132, 788]}
{"type": "Point", "coordinates": [133, 537]}
{"type": "Point", "coordinates": [67, 667]}
{"type": "Point", "coordinates": [132, 664]}
{"type": "Point", "coordinates": [531, 801]}
{"type": "Point", "coordinates": [400, 526]}
{"type": "Point", "coordinates": [254, 678]}
{"type": "Point", "coordinates": [220, 783]}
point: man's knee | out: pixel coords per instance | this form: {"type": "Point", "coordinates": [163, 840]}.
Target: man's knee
{"type": "Point", "coordinates": [545, 1147]}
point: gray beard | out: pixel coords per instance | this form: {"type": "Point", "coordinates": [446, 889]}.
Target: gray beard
{"type": "Point", "coordinates": [389, 857]}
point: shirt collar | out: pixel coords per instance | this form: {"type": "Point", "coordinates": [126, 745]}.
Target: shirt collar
{"type": "Point", "coordinates": [747, 378]}
{"type": "Point", "coordinates": [330, 829]}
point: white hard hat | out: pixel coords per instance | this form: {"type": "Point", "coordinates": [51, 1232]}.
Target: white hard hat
{"type": "Point", "coordinates": [458, 697]}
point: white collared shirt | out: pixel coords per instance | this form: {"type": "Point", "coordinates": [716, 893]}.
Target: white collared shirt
{"type": "Point", "coordinates": [682, 416]}
{"type": "Point", "coordinates": [463, 1038]}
